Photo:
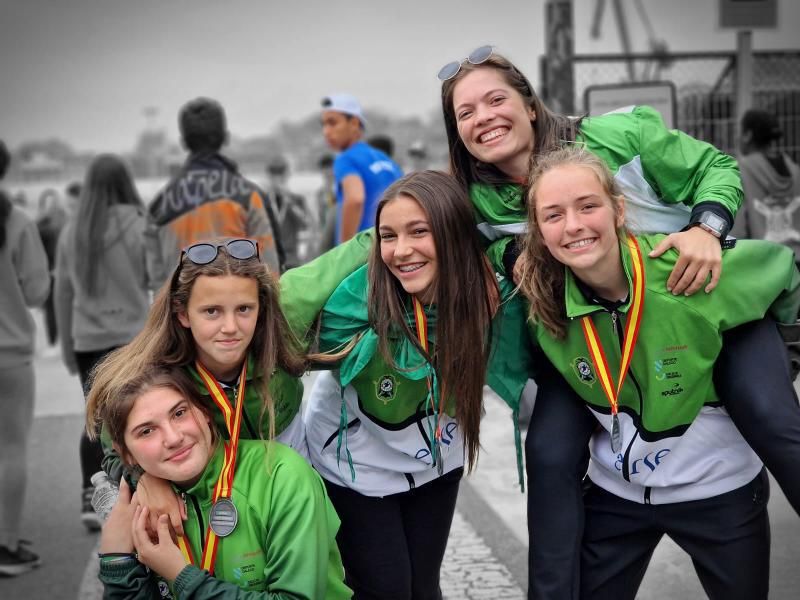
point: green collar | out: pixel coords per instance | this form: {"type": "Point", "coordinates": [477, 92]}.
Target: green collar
{"type": "Point", "coordinates": [345, 316]}
{"type": "Point", "coordinates": [578, 305]}
{"type": "Point", "coordinates": [499, 205]}
{"type": "Point", "coordinates": [251, 373]}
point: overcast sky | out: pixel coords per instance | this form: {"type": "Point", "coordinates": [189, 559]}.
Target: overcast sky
{"type": "Point", "coordinates": [83, 70]}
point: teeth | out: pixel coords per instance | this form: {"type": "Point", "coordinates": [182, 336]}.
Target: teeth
{"type": "Point", "coordinates": [581, 243]}
{"type": "Point", "coordinates": [410, 268]}
{"type": "Point", "coordinates": [494, 133]}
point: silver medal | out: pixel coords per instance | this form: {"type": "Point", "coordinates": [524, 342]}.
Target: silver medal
{"type": "Point", "coordinates": [616, 437]}
{"type": "Point", "coordinates": [223, 517]}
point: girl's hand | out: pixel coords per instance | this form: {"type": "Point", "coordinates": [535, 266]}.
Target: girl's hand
{"type": "Point", "coordinates": [700, 254]}
{"type": "Point", "coordinates": [162, 555]}
{"type": "Point", "coordinates": [116, 535]}
{"type": "Point", "coordinates": [160, 499]}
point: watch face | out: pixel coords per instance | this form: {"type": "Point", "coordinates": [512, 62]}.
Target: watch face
{"type": "Point", "coordinates": [714, 221]}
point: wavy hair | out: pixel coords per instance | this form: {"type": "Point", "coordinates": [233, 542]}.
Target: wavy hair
{"type": "Point", "coordinates": [164, 341]}
{"type": "Point", "coordinates": [543, 277]}
{"type": "Point", "coordinates": [464, 287]}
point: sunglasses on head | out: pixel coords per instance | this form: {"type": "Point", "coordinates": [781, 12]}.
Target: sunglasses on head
{"type": "Point", "coordinates": [204, 253]}
{"type": "Point", "coordinates": [476, 57]}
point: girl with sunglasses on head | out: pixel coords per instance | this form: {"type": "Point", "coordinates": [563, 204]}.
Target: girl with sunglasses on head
{"type": "Point", "coordinates": [100, 286]}
{"type": "Point", "coordinates": [392, 433]}
{"type": "Point", "coordinates": [218, 317]}
{"type": "Point", "coordinates": [276, 536]}
{"type": "Point", "coordinates": [497, 129]}
{"type": "Point", "coordinates": [667, 458]}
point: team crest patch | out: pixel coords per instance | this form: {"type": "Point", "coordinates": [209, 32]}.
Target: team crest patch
{"type": "Point", "coordinates": [583, 369]}
{"type": "Point", "coordinates": [386, 388]}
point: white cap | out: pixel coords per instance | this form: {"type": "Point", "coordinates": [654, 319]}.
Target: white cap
{"type": "Point", "coordinates": [344, 103]}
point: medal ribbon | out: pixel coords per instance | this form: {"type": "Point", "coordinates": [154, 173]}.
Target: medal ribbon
{"type": "Point", "coordinates": [421, 322]}
{"type": "Point", "coordinates": [224, 485]}
{"type": "Point", "coordinates": [631, 333]}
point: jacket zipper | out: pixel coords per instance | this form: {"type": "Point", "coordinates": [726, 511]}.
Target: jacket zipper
{"type": "Point", "coordinates": [199, 516]}
{"type": "Point", "coordinates": [246, 419]}
{"type": "Point", "coordinates": [632, 378]}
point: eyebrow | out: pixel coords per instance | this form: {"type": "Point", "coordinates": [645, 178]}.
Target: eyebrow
{"type": "Point", "coordinates": [150, 423]}
{"type": "Point", "coordinates": [578, 199]}
{"type": "Point", "coordinates": [488, 93]}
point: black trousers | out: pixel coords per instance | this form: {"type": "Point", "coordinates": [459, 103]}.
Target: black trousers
{"type": "Point", "coordinates": [727, 538]}
{"type": "Point", "coordinates": [91, 452]}
{"type": "Point", "coordinates": [752, 379]}
{"type": "Point", "coordinates": [392, 547]}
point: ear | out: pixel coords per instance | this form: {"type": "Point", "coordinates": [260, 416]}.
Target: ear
{"type": "Point", "coordinates": [531, 114]}
{"type": "Point", "coordinates": [184, 320]}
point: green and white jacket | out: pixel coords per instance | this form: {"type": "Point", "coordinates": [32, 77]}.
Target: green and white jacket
{"type": "Point", "coordinates": [283, 546]}
{"type": "Point", "coordinates": [663, 173]}
{"type": "Point", "coordinates": [678, 443]}
{"type": "Point", "coordinates": [369, 425]}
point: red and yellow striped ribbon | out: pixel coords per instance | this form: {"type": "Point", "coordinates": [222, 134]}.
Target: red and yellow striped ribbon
{"type": "Point", "coordinates": [224, 485]}
{"type": "Point", "coordinates": [632, 325]}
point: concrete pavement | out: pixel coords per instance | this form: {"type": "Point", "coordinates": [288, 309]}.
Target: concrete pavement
{"type": "Point", "coordinates": [487, 551]}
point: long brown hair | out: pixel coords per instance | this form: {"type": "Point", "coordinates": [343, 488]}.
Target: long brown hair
{"type": "Point", "coordinates": [542, 279]}
{"type": "Point", "coordinates": [550, 130]}
{"type": "Point", "coordinates": [164, 341]}
{"type": "Point", "coordinates": [463, 292]}
{"type": "Point", "coordinates": [113, 411]}
{"type": "Point", "coordinates": [108, 182]}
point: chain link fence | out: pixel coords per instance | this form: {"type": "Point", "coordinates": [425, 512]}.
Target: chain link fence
{"type": "Point", "coordinates": [705, 86]}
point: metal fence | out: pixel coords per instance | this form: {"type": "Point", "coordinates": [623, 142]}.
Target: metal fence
{"type": "Point", "coordinates": [705, 85]}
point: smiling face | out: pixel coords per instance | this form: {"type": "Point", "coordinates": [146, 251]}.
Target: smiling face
{"type": "Point", "coordinates": [168, 436]}
{"type": "Point", "coordinates": [493, 121]}
{"type": "Point", "coordinates": [408, 248]}
{"type": "Point", "coordinates": [222, 313]}
{"type": "Point", "coordinates": [578, 223]}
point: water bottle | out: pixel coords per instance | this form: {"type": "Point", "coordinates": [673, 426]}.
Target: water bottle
{"type": "Point", "coordinates": [105, 495]}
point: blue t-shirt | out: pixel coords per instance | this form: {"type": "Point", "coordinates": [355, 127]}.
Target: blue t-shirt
{"type": "Point", "coordinates": [375, 169]}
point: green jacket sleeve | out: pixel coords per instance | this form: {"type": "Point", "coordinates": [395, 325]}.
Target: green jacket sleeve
{"type": "Point", "coordinates": [761, 279]}
{"type": "Point", "coordinates": [129, 580]}
{"type": "Point", "coordinates": [677, 166]}
{"type": "Point", "coordinates": [306, 289]}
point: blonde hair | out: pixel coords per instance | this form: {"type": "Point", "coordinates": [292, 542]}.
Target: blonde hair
{"type": "Point", "coordinates": [542, 279]}
{"type": "Point", "coordinates": [165, 342]}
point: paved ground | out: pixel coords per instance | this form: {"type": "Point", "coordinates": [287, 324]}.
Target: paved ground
{"type": "Point", "coordinates": [486, 556]}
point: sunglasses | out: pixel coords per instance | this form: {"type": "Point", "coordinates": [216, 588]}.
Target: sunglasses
{"type": "Point", "coordinates": [476, 57]}
{"type": "Point", "coordinates": [204, 253]}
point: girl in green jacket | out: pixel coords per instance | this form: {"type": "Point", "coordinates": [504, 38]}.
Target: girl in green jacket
{"type": "Point", "coordinates": [391, 436]}
{"type": "Point", "coordinates": [259, 522]}
{"type": "Point", "coordinates": [666, 459]}
{"type": "Point", "coordinates": [497, 128]}
{"type": "Point", "coordinates": [218, 313]}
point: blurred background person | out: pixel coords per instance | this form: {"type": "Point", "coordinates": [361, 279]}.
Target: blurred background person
{"type": "Point", "coordinates": [382, 142]}
{"type": "Point", "coordinates": [326, 205]}
{"type": "Point", "coordinates": [361, 172]}
{"type": "Point", "coordinates": [25, 281]}
{"type": "Point", "coordinates": [771, 181]}
{"type": "Point", "coordinates": [418, 156]}
{"type": "Point", "coordinates": [291, 217]}
{"type": "Point", "coordinates": [208, 198]}
{"type": "Point", "coordinates": [73, 191]}
{"type": "Point", "coordinates": [101, 287]}
{"type": "Point", "coordinates": [50, 221]}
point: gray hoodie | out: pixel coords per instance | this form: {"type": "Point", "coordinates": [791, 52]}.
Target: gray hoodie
{"type": "Point", "coordinates": [24, 282]}
{"type": "Point", "coordinates": [771, 206]}
{"type": "Point", "coordinates": [117, 312]}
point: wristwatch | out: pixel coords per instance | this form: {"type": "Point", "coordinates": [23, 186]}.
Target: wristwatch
{"type": "Point", "coordinates": [713, 224]}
